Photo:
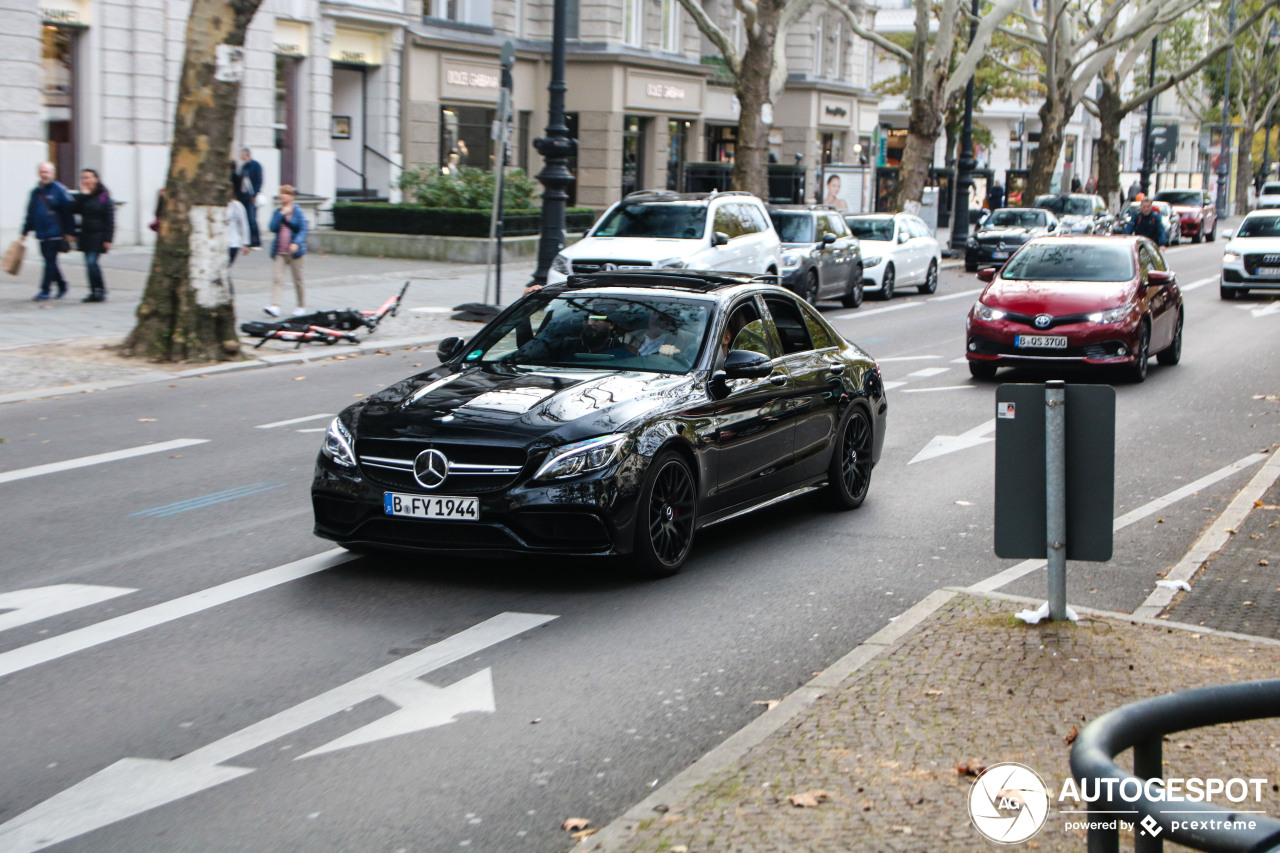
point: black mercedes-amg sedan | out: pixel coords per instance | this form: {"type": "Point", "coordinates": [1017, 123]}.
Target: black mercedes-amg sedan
{"type": "Point", "coordinates": [614, 413]}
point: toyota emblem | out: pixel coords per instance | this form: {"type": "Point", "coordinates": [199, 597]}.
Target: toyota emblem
{"type": "Point", "coordinates": [430, 468]}
{"type": "Point", "coordinates": [1043, 321]}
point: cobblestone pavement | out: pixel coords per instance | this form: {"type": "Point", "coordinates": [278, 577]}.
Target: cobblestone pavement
{"type": "Point", "coordinates": [969, 683]}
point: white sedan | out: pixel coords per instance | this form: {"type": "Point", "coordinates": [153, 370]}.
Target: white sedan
{"type": "Point", "coordinates": [1251, 258]}
{"type": "Point", "coordinates": [898, 250]}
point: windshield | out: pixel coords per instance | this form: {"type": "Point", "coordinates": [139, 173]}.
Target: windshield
{"type": "Point", "coordinates": [657, 334]}
{"type": "Point", "coordinates": [1194, 198]}
{"type": "Point", "coordinates": [664, 219]}
{"type": "Point", "coordinates": [1270, 189]}
{"type": "Point", "coordinates": [793, 227]}
{"type": "Point", "coordinates": [1066, 260]}
{"type": "Point", "coordinates": [1065, 205]}
{"type": "Point", "coordinates": [1260, 226]}
{"type": "Point", "coordinates": [1014, 219]}
{"type": "Point", "coordinates": [871, 228]}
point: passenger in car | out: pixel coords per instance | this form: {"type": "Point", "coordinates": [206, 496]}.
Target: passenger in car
{"type": "Point", "coordinates": [661, 337]}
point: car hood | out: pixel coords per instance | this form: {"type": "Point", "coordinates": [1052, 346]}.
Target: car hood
{"type": "Point", "coordinates": [1056, 297]}
{"type": "Point", "coordinates": [1005, 232]}
{"type": "Point", "coordinates": [631, 248]}
{"type": "Point", "coordinates": [1240, 245]}
{"type": "Point", "coordinates": [508, 405]}
{"type": "Point", "coordinates": [876, 247]}
{"type": "Point", "coordinates": [1186, 209]}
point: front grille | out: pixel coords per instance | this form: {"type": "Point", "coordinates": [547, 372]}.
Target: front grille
{"type": "Point", "coordinates": [420, 533]}
{"type": "Point", "coordinates": [597, 265]}
{"type": "Point", "coordinates": [1103, 349]}
{"type": "Point", "coordinates": [1029, 320]}
{"type": "Point", "coordinates": [473, 468]}
{"type": "Point", "coordinates": [1255, 260]}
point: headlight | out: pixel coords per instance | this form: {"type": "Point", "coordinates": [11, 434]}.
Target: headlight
{"type": "Point", "coordinates": [561, 265]}
{"type": "Point", "coordinates": [986, 312]}
{"type": "Point", "coordinates": [337, 444]}
{"type": "Point", "coordinates": [670, 264]}
{"type": "Point", "coordinates": [868, 263]}
{"type": "Point", "coordinates": [581, 457]}
{"type": "Point", "coordinates": [972, 243]}
{"type": "Point", "coordinates": [1114, 315]}
{"type": "Point", "coordinates": [1230, 257]}
{"type": "Point", "coordinates": [790, 259]}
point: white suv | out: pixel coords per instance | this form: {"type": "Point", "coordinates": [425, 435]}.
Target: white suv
{"type": "Point", "coordinates": [727, 232]}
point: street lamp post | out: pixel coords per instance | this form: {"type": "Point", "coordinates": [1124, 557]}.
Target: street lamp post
{"type": "Point", "coordinates": [965, 162]}
{"type": "Point", "coordinates": [1224, 149]}
{"type": "Point", "coordinates": [556, 148]}
{"type": "Point", "coordinates": [1146, 133]}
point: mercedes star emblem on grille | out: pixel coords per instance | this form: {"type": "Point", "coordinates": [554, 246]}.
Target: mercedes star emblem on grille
{"type": "Point", "coordinates": [609, 267]}
{"type": "Point", "coordinates": [430, 468]}
{"type": "Point", "coordinates": [1042, 321]}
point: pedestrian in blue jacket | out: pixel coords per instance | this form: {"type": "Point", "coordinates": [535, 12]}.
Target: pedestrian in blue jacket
{"type": "Point", "coordinates": [49, 215]}
{"type": "Point", "coordinates": [288, 248]}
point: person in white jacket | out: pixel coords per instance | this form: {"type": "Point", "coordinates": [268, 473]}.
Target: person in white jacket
{"type": "Point", "coordinates": [237, 235]}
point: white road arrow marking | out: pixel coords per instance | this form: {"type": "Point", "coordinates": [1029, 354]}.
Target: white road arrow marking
{"type": "Point", "coordinates": [133, 785]}
{"type": "Point", "coordinates": [1271, 308]}
{"type": "Point", "coordinates": [32, 605]}
{"type": "Point", "coordinates": [422, 706]}
{"type": "Point", "coordinates": [944, 444]}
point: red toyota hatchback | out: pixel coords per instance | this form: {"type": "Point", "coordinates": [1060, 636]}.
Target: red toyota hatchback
{"type": "Point", "coordinates": [1077, 300]}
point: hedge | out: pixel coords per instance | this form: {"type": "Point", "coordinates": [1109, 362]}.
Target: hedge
{"type": "Point", "coordinates": [385, 218]}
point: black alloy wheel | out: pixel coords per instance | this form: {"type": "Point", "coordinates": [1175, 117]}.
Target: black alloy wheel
{"type": "Point", "coordinates": [853, 291]}
{"type": "Point", "coordinates": [1213, 232]}
{"type": "Point", "coordinates": [982, 370]}
{"type": "Point", "coordinates": [1137, 371]}
{"type": "Point", "coordinates": [1172, 354]}
{"type": "Point", "coordinates": [849, 473]}
{"type": "Point", "coordinates": [809, 291]}
{"type": "Point", "coordinates": [930, 279]}
{"type": "Point", "coordinates": [666, 516]}
{"type": "Point", "coordinates": [1199, 235]}
{"type": "Point", "coordinates": [886, 286]}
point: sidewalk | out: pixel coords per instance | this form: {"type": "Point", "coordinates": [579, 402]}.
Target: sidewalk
{"type": "Point", "coordinates": [877, 741]}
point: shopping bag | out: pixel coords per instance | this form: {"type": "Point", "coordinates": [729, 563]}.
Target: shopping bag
{"type": "Point", "coordinates": [13, 257]}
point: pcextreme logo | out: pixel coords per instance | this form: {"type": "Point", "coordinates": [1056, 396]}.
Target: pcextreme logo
{"type": "Point", "coordinates": [1008, 803]}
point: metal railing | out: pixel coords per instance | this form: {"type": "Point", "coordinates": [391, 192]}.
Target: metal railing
{"type": "Point", "coordinates": [1142, 727]}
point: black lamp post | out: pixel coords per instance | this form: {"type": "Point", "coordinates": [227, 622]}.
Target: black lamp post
{"type": "Point", "coordinates": [965, 163]}
{"type": "Point", "coordinates": [1146, 133]}
{"type": "Point", "coordinates": [556, 148]}
{"type": "Point", "coordinates": [1224, 149]}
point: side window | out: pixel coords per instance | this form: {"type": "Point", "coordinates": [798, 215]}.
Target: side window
{"type": "Point", "coordinates": [1157, 261]}
{"type": "Point", "coordinates": [1144, 261]}
{"type": "Point", "coordinates": [760, 218]}
{"type": "Point", "coordinates": [817, 332]}
{"type": "Point", "coordinates": [744, 329]}
{"type": "Point", "coordinates": [820, 227]}
{"type": "Point", "coordinates": [792, 329]}
{"type": "Point", "coordinates": [837, 225]}
{"type": "Point", "coordinates": [724, 221]}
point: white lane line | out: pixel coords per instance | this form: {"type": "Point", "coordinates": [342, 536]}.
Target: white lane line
{"type": "Point", "coordinates": [906, 358]}
{"type": "Point", "coordinates": [940, 388]}
{"type": "Point", "coordinates": [313, 429]}
{"type": "Point", "coordinates": [889, 386]}
{"type": "Point", "coordinates": [97, 459]}
{"type": "Point", "coordinates": [1201, 283]}
{"type": "Point", "coordinates": [1012, 573]}
{"type": "Point", "coordinates": [873, 312]}
{"type": "Point", "coordinates": [71, 642]}
{"type": "Point", "coordinates": [959, 295]}
{"type": "Point", "coordinates": [961, 360]}
{"type": "Point", "coordinates": [292, 421]}
{"type": "Point", "coordinates": [929, 371]}
{"type": "Point", "coordinates": [432, 309]}
{"type": "Point", "coordinates": [24, 606]}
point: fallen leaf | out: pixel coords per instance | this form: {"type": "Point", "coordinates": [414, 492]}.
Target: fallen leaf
{"type": "Point", "coordinates": [583, 834]}
{"type": "Point", "coordinates": [418, 364]}
{"type": "Point", "coordinates": [972, 767]}
{"type": "Point", "coordinates": [146, 420]}
{"type": "Point", "coordinates": [769, 704]}
{"type": "Point", "coordinates": [1264, 562]}
{"type": "Point", "coordinates": [809, 799]}
{"type": "Point", "coordinates": [535, 721]}
{"type": "Point", "coordinates": [1071, 736]}
{"type": "Point", "coordinates": [964, 503]}
{"type": "Point", "coordinates": [1248, 604]}
{"type": "Point", "coordinates": [680, 848]}
{"type": "Point", "coordinates": [575, 824]}
{"type": "Point", "coordinates": [299, 378]}
{"type": "Point", "coordinates": [933, 693]}
{"type": "Point", "coordinates": [171, 455]}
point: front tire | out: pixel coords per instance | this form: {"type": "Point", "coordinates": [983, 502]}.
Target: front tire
{"type": "Point", "coordinates": [982, 370]}
{"type": "Point", "coordinates": [886, 284]}
{"type": "Point", "coordinates": [809, 293]}
{"type": "Point", "coordinates": [849, 472]}
{"type": "Point", "coordinates": [1172, 354]}
{"type": "Point", "coordinates": [666, 517]}
{"type": "Point", "coordinates": [1228, 293]}
{"type": "Point", "coordinates": [1213, 232]}
{"type": "Point", "coordinates": [930, 279]}
{"type": "Point", "coordinates": [853, 291]}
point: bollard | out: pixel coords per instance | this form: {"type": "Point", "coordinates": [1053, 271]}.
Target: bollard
{"type": "Point", "coordinates": [1055, 461]}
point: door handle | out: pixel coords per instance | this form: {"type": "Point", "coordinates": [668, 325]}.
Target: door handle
{"type": "Point", "coordinates": [778, 379]}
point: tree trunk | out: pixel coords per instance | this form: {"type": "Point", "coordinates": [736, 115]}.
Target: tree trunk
{"type": "Point", "coordinates": [1109, 118]}
{"type": "Point", "coordinates": [752, 88]}
{"type": "Point", "coordinates": [186, 313]}
{"type": "Point", "coordinates": [1054, 115]}
{"type": "Point", "coordinates": [1244, 166]}
{"type": "Point", "coordinates": [923, 128]}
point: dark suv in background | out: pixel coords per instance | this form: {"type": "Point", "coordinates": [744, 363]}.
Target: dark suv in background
{"type": "Point", "coordinates": [821, 258]}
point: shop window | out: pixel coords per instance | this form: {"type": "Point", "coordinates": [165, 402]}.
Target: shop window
{"type": "Point", "coordinates": [677, 153]}
{"type": "Point", "coordinates": [465, 138]}
{"type": "Point", "coordinates": [59, 99]}
{"type": "Point", "coordinates": [721, 140]}
{"type": "Point", "coordinates": [633, 132]}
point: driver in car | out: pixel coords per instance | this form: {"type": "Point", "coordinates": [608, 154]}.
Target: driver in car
{"type": "Point", "coordinates": [600, 337]}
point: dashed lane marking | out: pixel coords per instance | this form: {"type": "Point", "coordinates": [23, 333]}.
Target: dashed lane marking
{"type": "Point", "coordinates": [97, 459]}
{"type": "Point", "coordinates": [853, 315]}
{"type": "Point", "coordinates": [940, 388]}
{"type": "Point", "coordinates": [926, 372]}
{"type": "Point", "coordinates": [292, 421]}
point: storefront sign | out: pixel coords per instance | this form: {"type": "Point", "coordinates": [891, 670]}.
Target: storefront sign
{"type": "Point", "coordinates": [356, 47]}
{"type": "Point", "coordinates": [291, 38]}
{"type": "Point", "coordinates": [67, 13]}
{"type": "Point", "coordinates": [466, 79]}
{"type": "Point", "coordinates": [837, 112]}
{"type": "Point", "coordinates": [663, 94]}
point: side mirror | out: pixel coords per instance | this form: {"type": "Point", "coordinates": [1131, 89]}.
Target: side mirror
{"type": "Point", "coordinates": [450, 348]}
{"type": "Point", "coordinates": [828, 239]}
{"type": "Point", "coordinates": [745, 364]}
{"type": "Point", "coordinates": [1053, 226]}
{"type": "Point", "coordinates": [987, 274]}
{"type": "Point", "coordinates": [719, 239]}
{"type": "Point", "coordinates": [1160, 277]}
{"type": "Point", "coordinates": [903, 236]}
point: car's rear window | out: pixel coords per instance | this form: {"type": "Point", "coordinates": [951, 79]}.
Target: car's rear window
{"type": "Point", "coordinates": [1193, 198]}
{"type": "Point", "coordinates": [871, 228]}
{"type": "Point", "coordinates": [1065, 205]}
{"type": "Point", "coordinates": [1271, 189]}
{"type": "Point", "coordinates": [794, 227]}
{"type": "Point", "coordinates": [1066, 260]}
{"type": "Point", "coordinates": [1260, 226]}
{"type": "Point", "coordinates": [1015, 219]}
{"type": "Point", "coordinates": [672, 220]}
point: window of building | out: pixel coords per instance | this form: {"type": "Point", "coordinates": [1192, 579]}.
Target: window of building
{"type": "Point", "coordinates": [465, 137]}
{"type": "Point", "coordinates": [286, 118]}
{"type": "Point", "coordinates": [817, 46]}
{"type": "Point", "coordinates": [477, 12]}
{"type": "Point", "coordinates": [633, 131]}
{"type": "Point", "coordinates": [59, 99]}
{"type": "Point", "coordinates": [677, 152]}
{"type": "Point", "coordinates": [670, 25]}
{"type": "Point", "coordinates": [632, 14]}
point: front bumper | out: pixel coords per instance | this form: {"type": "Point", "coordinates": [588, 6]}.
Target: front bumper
{"type": "Point", "coordinates": [589, 515]}
{"type": "Point", "coordinates": [1087, 344]}
{"type": "Point", "coordinates": [1191, 226]}
{"type": "Point", "coordinates": [1235, 275]}
{"type": "Point", "coordinates": [988, 255]}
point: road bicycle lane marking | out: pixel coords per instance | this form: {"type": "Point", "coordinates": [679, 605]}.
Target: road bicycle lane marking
{"type": "Point", "coordinates": [97, 459]}
{"type": "Point", "coordinates": [1150, 508]}
{"type": "Point", "coordinates": [206, 500]}
{"type": "Point", "coordinates": [97, 634]}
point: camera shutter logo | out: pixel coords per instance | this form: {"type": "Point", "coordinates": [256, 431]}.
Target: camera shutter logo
{"type": "Point", "coordinates": [430, 468]}
{"type": "Point", "coordinates": [1008, 803]}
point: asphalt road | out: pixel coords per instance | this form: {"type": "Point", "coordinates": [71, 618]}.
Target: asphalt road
{"type": "Point", "coordinates": [206, 675]}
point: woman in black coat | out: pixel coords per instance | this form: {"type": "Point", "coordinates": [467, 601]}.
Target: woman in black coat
{"type": "Point", "coordinates": [97, 229]}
